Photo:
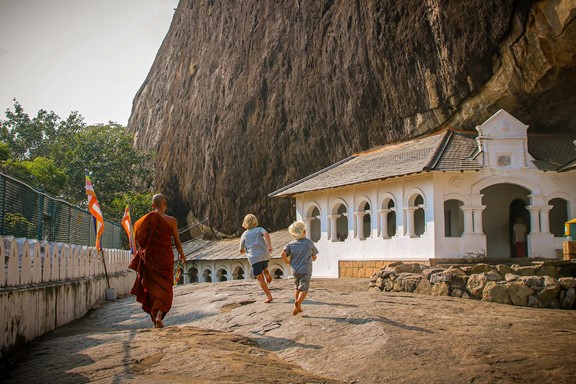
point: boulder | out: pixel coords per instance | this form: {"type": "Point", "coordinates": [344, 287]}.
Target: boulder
{"type": "Point", "coordinates": [493, 276]}
{"type": "Point", "coordinates": [567, 282]}
{"type": "Point", "coordinates": [426, 273]}
{"type": "Point", "coordinates": [403, 268]}
{"type": "Point", "coordinates": [456, 271]}
{"type": "Point", "coordinates": [456, 293]}
{"type": "Point", "coordinates": [441, 289]}
{"type": "Point", "coordinates": [424, 287]}
{"type": "Point", "coordinates": [416, 268]}
{"type": "Point", "coordinates": [525, 271]}
{"type": "Point", "coordinates": [476, 284]}
{"type": "Point", "coordinates": [532, 281]}
{"type": "Point", "coordinates": [388, 285]}
{"type": "Point", "coordinates": [535, 302]}
{"type": "Point", "coordinates": [410, 283]}
{"type": "Point", "coordinates": [519, 293]}
{"type": "Point", "coordinates": [511, 277]}
{"type": "Point", "coordinates": [568, 300]}
{"type": "Point", "coordinates": [503, 269]}
{"type": "Point", "coordinates": [548, 294]}
{"type": "Point", "coordinates": [549, 280]}
{"type": "Point", "coordinates": [479, 268]}
{"type": "Point", "coordinates": [496, 293]}
{"type": "Point", "coordinates": [547, 270]}
{"type": "Point", "coordinates": [379, 283]}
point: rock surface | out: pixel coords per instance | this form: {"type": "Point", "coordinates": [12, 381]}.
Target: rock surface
{"type": "Point", "coordinates": [345, 334]}
{"type": "Point", "coordinates": [246, 97]}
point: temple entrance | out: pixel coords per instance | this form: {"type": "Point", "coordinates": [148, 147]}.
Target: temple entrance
{"type": "Point", "coordinates": [504, 203]}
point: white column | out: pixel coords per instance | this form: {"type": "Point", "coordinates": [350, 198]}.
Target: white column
{"type": "Point", "coordinates": [468, 220]}
{"type": "Point", "coordinates": [478, 226]}
{"type": "Point", "coordinates": [534, 218]}
{"type": "Point", "coordinates": [333, 228]}
{"type": "Point", "coordinates": [360, 225]}
{"type": "Point", "coordinates": [545, 218]}
{"type": "Point", "coordinates": [409, 211]}
{"type": "Point", "coordinates": [384, 223]}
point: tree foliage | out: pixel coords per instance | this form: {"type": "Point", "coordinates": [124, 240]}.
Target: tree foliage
{"type": "Point", "coordinates": [54, 155]}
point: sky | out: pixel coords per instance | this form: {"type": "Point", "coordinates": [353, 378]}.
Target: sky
{"type": "Point", "coordinates": [89, 56]}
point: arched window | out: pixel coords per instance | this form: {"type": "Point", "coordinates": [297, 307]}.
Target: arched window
{"type": "Point", "coordinates": [391, 218]}
{"type": "Point", "coordinates": [453, 218]}
{"type": "Point", "coordinates": [315, 225]}
{"type": "Point", "coordinates": [558, 216]}
{"type": "Point", "coordinates": [278, 273]}
{"type": "Point", "coordinates": [238, 273]}
{"type": "Point", "coordinates": [193, 275]}
{"type": "Point", "coordinates": [207, 276]}
{"type": "Point", "coordinates": [222, 275]}
{"type": "Point", "coordinates": [365, 222]}
{"type": "Point", "coordinates": [419, 217]}
{"type": "Point", "coordinates": [342, 223]}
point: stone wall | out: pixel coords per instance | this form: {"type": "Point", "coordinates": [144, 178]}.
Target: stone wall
{"type": "Point", "coordinates": [548, 284]}
{"type": "Point", "coordinates": [361, 268]}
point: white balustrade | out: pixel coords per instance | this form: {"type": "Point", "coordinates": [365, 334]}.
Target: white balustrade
{"type": "Point", "coordinates": [50, 262]}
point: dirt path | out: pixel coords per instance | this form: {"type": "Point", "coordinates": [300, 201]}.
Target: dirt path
{"type": "Point", "coordinates": [345, 334]}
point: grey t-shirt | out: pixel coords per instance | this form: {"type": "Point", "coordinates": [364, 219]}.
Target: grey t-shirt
{"type": "Point", "coordinates": [300, 252]}
{"type": "Point", "coordinates": [252, 240]}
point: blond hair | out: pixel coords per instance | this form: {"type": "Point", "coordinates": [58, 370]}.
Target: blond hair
{"type": "Point", "coordinates": [250, 221]}
{"type": "Point", "coordinates": [297, 230]}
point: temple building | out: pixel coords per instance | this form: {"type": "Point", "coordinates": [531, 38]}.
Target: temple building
{"type": "Point", "coordinates": [450, 194]}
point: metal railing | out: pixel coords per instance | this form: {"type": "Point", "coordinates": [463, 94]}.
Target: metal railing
{"type": "Point", "coordinates": [33, 214]}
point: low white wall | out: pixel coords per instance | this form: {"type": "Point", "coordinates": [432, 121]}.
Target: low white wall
{"type": "Point", "coordinates": [44, 286]}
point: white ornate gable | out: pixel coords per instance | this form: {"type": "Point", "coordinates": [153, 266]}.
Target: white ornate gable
{"type": "Point", "coordinates": [503, 143]}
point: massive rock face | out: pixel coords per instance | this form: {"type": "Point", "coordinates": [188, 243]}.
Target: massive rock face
{"type": "Point", "coordinates": [246, 97]}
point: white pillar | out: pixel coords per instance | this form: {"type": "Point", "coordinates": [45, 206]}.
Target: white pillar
{"type": "Point", "coordinates": [384, 223]}
{"type": "Point", "coordinates": [534, 218]}
{"type": "Point", "coordinates": [360, 225]}
{"type": "Point", "coordinates": [409, 212]}
{"type": "Point", "coordinates": [478, 226]}
{"type": "Point", "coordinates": [545, 218]}
{"type": "Point", "coordinates": [468, 220]}
{"type": "Point", "coordinates": [333, 228]}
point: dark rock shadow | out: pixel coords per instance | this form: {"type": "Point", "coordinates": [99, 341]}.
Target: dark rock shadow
{"type": "Point", "coordinates": [275, 344]}
{"type": "Point", "coordinates": [314, 302]}
{"type": "Point", "coordinates": [365, 320]}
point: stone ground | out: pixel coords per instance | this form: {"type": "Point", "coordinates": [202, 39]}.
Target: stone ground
{"type": "Point", "coordinates": [224, 333]}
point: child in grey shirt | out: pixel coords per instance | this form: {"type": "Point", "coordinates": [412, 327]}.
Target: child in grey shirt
{"type": "Point", "coordinates": [300, 253]}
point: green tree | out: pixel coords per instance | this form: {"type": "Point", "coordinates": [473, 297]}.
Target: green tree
{"type": "Point", "coordinates": [140, 204]}
{"type": "Point", "coordinates": [4, 151]}
{"type": "Point", "coordinates": [46, 174]}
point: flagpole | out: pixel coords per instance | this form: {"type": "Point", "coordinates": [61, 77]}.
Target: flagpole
{"type": "Point", "coordinates": [105, 270]}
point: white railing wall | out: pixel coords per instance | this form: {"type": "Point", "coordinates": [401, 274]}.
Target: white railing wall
{"type": "Point", "coordinates": [46, 285]}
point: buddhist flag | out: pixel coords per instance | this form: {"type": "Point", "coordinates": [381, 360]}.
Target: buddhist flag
{"type": "Point", "coordinates": [94, 209]}
{"type": "Point", "coordinates": [127, 224]}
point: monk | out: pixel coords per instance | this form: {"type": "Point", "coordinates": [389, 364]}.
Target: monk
{"type": "Point", "coordinates": [154, 260]}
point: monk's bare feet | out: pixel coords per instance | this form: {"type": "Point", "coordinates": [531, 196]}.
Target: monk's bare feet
{"type": "Point", "coordinates": [268, 300]}
{"type": "Point", "coordinates": [158, 323]}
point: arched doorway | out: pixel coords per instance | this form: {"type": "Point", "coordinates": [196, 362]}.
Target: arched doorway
{"type": "Point", "coordinates": [222, 275]}
{"type": "Point", "coordinates": [504, 202]}
{"type": "Point", "coordinates": [315, 225]}
{"type": "Point", "coordinates": [517, 213]}
{"type": "Point", "coordinates": [238, 273]}
{"type": "Point", "coordinates": [278, 273]}
{"type": "Point", "coordinates": [207, 276]}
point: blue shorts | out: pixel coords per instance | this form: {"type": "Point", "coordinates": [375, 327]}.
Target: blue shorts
{"type": "Point", "coordinates": [259, 267]}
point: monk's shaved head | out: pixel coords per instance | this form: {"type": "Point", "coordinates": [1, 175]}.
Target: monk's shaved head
{"type": "Point", "coordinates": [158, 199]}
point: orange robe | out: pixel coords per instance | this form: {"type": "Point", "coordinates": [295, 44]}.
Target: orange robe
{"type": "Point", "coordinates": [154, 264]}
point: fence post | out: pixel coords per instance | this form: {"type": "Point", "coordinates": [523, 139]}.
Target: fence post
{"type": "Point", "coordinates": [26, 265]}
{"type": "Point", "coordinates": [55, 275]}
{"type": "Point", "coordinates": [2, 263]}
{"type": "Point", "coordinates": [36, 264]}
{"type": "Point", "coordinates": [13, 277]}
{"type": "Point", "coordinates": [64, 261]}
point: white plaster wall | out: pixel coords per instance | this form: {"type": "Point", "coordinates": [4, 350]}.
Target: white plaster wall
{"type": "Point", "coordinates": [30, 311]}
{"type": "Point", "coordinates": [374, 247]}
{"type": "Point", "coordinates": [229, 266]}
{"type": "Point", "coordinates": [436, 188]}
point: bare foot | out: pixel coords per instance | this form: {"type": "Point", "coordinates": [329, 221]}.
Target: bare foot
{"type": "Point", "coordinates": [158, 322]}
{"type": "Point", "coordinates": [297, 310]}
{"type": "Point", "coordinates": [268, 300]}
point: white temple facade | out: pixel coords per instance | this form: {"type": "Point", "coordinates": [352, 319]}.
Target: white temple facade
{"type": "Point", "coordinates": [451, 194]}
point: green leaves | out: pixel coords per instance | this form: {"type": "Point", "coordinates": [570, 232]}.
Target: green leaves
{"type": "Point", "coordinates": [54, 154]}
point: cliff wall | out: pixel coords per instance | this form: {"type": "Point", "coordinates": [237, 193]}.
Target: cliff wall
{"type": "Point", "coordinates": [246, 97]}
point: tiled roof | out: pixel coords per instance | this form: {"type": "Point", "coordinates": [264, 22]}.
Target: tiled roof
{"type": "Point", "coordinates": [443, 151]}
{"type": "Point", "coordinates": [552, 152]}
{"type": "Point", "coordinates": [200, 249]}
{"type": "Point", "coordinates": [381, 163]}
